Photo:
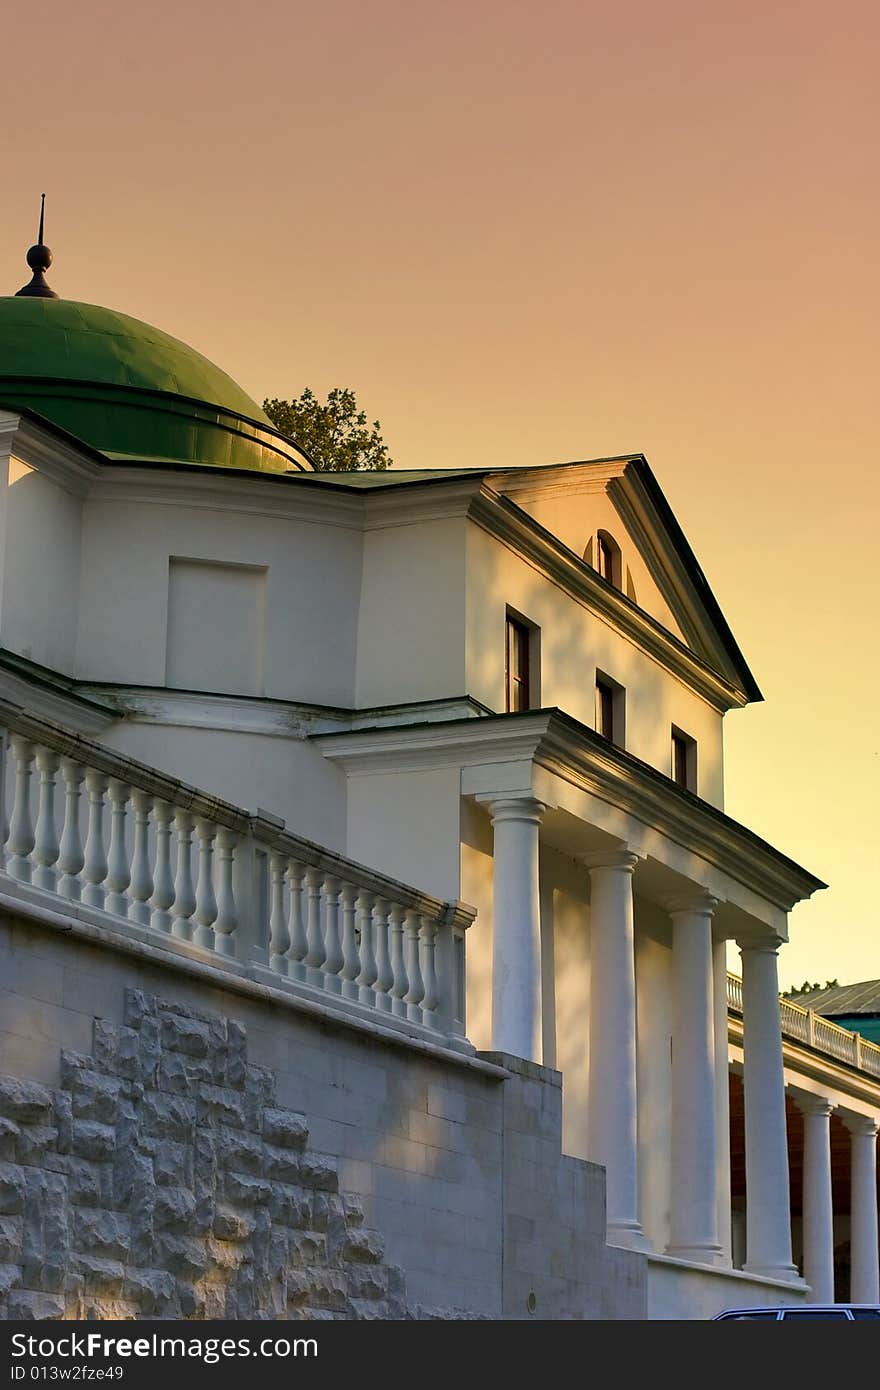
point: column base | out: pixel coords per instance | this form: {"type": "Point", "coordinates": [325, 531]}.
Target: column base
{"type": "Point", "coordinates": [698, 1254]}
{"type": "Point", "coordinates": [629, 1235]}
{"type": "Point", "coordinates": [788, 1274]}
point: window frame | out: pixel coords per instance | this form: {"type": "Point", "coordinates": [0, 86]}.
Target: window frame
{"type": "Point", "coordinates": [528, 635]}
{"type": "Point", "coordinates": [610, 696]}
{"type": "Point", "coordinates": [683, 745]}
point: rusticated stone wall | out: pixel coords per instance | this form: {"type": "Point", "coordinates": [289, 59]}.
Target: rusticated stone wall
{"type": "Point", "coordinates": [171, 1146]}
{"type": "Point", "coordinates": [161, 1180]}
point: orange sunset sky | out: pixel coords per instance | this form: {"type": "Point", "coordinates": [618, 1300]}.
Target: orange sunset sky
{"type": "Point", "coordinates": [527, 233]}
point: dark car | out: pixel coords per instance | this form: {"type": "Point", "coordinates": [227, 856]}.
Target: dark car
{"type": "Point", "coordinates": [804, 1312]}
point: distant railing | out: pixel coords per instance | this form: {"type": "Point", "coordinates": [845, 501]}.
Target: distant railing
{"type": "Point", "coordinates": [806, 1026]}
{"type": "Point", "coordinates": [170, 864]}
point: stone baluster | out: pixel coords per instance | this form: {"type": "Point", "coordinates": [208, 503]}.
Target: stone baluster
{"type": "Point", "coordinates": [334, 960]}
{"type": "Point", "coordinates": [314, 935]}
{"type": "Point", "coordinates": [163, 881]}
{"type": "Point", "coordinates": [206, 901]}
{"type": "Point", "coordinates": [299, 945]}
{"type": "Point", "coordinates": [279, 934]}
{"type": "Point", "coordinates": [118, 872]}
{"type": "Point", "coordinates": [95, 867]}
{"type": "Point", "coordinates": [400, 983]}
{"type": "Point", "coordinates": [351, 961]}
{"type": "Point", "coordinates": [46, 847]}
{"type": "Point", "coordinates": [427, 941]}
{"type": "Point", "coordinates": [416, 991]}
{"type": "Point", "coordinates": [140, 888]}
{"type": "Point", "coordinates": [71, 859]}
{"type": "Point", "coordinates": [226, 922]}
{"type": "Point", "coordinates": [21, 826]}
{"type": "Point", "coordinates": [384, 974]}
{"type": "Point", "coordinates": [184, 904]}
{"type": "Point", "coordinates": [367, 977]}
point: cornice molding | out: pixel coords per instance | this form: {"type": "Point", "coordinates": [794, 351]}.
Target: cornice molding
{"type": "Point", "coordinates": [506, 522]}
{"type": "Point", "coordinates": [213, 490]}
{"type": "Point", "coordinates": [70, 467]}
{"type": "Point", "coordinates": [577, 755]}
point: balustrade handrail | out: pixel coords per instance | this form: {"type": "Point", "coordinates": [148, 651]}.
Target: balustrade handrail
{"type": "Point", "coordinates": [268, 829]}
{"type": "Point", "coordinates": [807, 1026]}
{"type": "Point", "coordinates": [258, 897]}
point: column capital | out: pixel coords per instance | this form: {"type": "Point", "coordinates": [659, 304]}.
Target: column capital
{"type": "Point", "coordinates": [765, 945]}
{"type": "Point", "coordinates": [513, 806]}
{"type": "Point", "coordinates": [810, 1104]}
{"type": "Point", "coordinates": [865, 1126]}
{"type": "Point", "coordinates": [625, 859]}
{"type": "Point", "coordinates": [696, 900]}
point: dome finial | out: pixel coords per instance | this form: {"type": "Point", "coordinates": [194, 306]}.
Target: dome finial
{"type": "Point", "coordinates": [39, 258]}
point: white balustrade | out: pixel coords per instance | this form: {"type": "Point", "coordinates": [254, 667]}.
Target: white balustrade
{"type": "Point", "coordinates": [364, 934]}
{"type": "Point", "coordinates": [71, 858]}
{"type": "Point", "coordinates": [384, 974]}
{"type": "Point", "coordinates": [118, 871]}
{"type": "Point", "coordinates": [334, 959]}
{"type": "Point", "coordinates": [148, 856]}
{"type": "Point", "coordinates": [95, 867]}
{"type": "Point", "coordinates": [279, 935]}
{"type": "Point", "coordinates": [351, 961]}
{"type": "Point", "coordinates": [46, 846]}
{"type": "Point", "coordinates": [184, 904]}
{"type": "Point", "coordinates": [163, 881]}
{"type": "Point", "coordinates": [206, 901]}
{"type": "Point", "coordinates": [299, 942]}
{"type": "Point", "coordinates": [806, 1026]}
{"type": "Point", "coordinates": [21, 828]}
{"type": "Point", "coordinates": [141, 885]}
{"type": "Point", "coordinates": [399, 981]}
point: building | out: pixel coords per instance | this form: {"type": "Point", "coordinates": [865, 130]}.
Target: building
{"type": "Point", "coordinates": [856, 1007]}
{"type": "Point", "coordinates": [418, 778]}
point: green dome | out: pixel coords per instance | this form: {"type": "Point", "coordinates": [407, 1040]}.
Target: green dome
{"type": "Point", "coordinates": [131, 391]}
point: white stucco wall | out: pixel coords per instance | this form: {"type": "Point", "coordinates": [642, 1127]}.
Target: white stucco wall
{"type": "Point", "coordinates": [284, 776]}
{"type": "Point", "coordinates": [41, 569]}
{"type": "Point", "coordinates": [574, 644]}
{"type": "Point", "coordinates": [406, 824]}
{"type": "Point", "coordinates": [311, 603]}
{"type": "Point", "coordinates": [411, 629]}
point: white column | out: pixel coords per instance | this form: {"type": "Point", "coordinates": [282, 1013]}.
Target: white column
{"type": "Point", "coordinates": [768, 1203]}
{"type": "Point", "coordinates": [864, 1277]}
{"type": "Point", "coordinates": [516, 962]}
{"type": "Point", "coordinates": [613, 1119]}
{"type": "Point", "coordinates": [818, 1213]}
{"type": "Point", "coordinates": [693, 1196]}
{"type": "Point", "coordinates": [722, 1103]}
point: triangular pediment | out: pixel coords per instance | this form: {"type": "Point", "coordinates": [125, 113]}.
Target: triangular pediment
{"type": "Point", "coordinates": [621, 501]}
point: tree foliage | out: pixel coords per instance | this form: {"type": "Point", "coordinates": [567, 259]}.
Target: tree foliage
{"type": "Point", "coordinates": [809, 987]}
{"type": "Point", "coordinates": [334, 434]}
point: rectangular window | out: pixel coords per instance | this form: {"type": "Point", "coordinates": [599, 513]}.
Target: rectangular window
{"type": "Point", "coordinates": [517, 666]}
{"type": "Point", "coordinates": [684, 760]}
{"type": "Point", "coordinates": [604, 710]}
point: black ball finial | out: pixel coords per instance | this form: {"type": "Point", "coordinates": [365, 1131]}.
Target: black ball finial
{"type": "Point", "coordinates": [39, 258]}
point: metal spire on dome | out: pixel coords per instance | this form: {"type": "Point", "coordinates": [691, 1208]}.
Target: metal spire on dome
{"type": "Point", "coordinates": [39, 258]}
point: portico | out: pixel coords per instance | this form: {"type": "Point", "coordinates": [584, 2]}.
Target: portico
{"type": "Point", "coordinates": [570, 845]}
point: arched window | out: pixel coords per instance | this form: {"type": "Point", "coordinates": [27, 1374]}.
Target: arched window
{"type": "Point", "coordinates": [608, 558]}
